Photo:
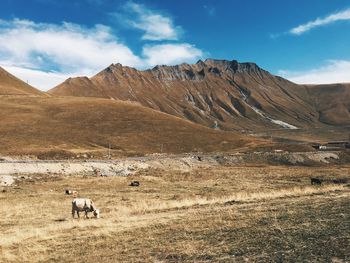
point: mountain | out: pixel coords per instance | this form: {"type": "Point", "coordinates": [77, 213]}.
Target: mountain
{"type": "Point", "coordinates": [51, 126]}
{"type": "Point", "coordinates": [10, 85]}
{"type": "Point", "coordinates": [227, 94]}
{"type": "Point", "coordinates": [332, 101]}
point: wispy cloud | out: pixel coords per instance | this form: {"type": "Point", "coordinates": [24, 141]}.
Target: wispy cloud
{"type": "Point", "coordinates": [338, 16]}
{"type": "Point", "coordinates": [46, 54]}
{"type": "Point", "coordinates": [170, 54]}
{"type": "Point", "coordinates": [335, 71]}
{"type": "Point", "coordinates": [156, 26]}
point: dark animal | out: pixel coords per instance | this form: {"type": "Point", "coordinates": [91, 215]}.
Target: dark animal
{"type": "Point", "coordinates": [316, 181]}
{"type": "Point", "coordinates": [340, 181]}
{"type": "Point", "coordinates": [72, 192]}
{"type": "Point", "coordinates": [134, 183]}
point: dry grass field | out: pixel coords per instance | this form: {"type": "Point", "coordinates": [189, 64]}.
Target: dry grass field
{"type": "Point", "coordinates": [64, 127]}
{"type": "Point", "coordinates": [226, 214]}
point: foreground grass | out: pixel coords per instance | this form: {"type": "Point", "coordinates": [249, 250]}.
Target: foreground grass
{"type": "Point", "coordinates": [226, 215]}
{"type": "Point", "coordinates": [268, 232]}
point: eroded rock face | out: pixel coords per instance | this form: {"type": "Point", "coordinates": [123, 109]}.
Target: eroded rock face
{"type": "Point", "coordinates": [201, 70]}
{"type": "Point", "coordinates": [235, 95]}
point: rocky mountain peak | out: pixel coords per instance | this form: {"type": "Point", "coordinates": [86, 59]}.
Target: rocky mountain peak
{"type": "Point", "coordinates": [199, 70]}
{"type": "Point", "coordinates": [194, 72]}
{"type": "Point", "coordinates": [232, 66]}
{"type": "Point", "coordinates": [179, 72]}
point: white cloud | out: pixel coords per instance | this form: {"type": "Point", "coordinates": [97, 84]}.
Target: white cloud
{"type": "Point", "coordinates": [339, 16]}
{"type": "Point", "coordinates": [37, 78]}
{"type": "Point", "coordinates": [170, 54]}
{"type": "Point", "coordinates": [46, 54]}
{"type": "Point", "coordinates": [336, 71]}
{"type": "Point", "coordinates": [67, 46]}
{"type": "Point", "coordinates": [155, 25]}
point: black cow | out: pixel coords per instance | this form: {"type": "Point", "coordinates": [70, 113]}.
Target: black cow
{"type": "Point", "coordinates": [316, 181]}
{"type": "Point", "coordinates": [134, 183]}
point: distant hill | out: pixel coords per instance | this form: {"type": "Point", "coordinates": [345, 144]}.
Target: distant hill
{"type": "Point", "coordinates": [332, 101]}
{"type": "Point", "coordinates": [10, 85]}
{"type": "Point", "coordinates": [236, 96]}
{"type": "Point", "coordinates": [51, 127]}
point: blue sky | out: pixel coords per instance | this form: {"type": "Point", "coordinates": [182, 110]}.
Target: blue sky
{"type": "Point", "coordinates": [46, 41]}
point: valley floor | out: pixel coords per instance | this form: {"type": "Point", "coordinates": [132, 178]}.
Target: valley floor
{"type": "Point", "coordinates": [206, 214]}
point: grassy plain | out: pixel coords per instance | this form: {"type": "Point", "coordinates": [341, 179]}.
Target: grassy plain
{"type": "Point", "coordinates": [226, 214]}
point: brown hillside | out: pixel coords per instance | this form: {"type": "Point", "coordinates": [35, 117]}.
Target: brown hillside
{"type": "Point", "coordinates": [236, 95]}
{"type": "Point", "coordinates": [79, 87]}
{"type": "Point", "coordinates": [10, 85]}
{"type": "Point", "coordinates": [332, 101]}
{"type": "Point", "coordinates": [34, 125]}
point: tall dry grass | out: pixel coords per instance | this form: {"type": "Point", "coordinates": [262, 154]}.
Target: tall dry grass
{"type": "Point", "coordinates": [144, 206]}
{"type": "Point", "coordinates": [31, 213]}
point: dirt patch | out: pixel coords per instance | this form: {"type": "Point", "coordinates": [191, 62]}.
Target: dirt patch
{"type": "Point", "coordinates": [68, 168]}
{"type": "Point", "coordinates": [187, 163]}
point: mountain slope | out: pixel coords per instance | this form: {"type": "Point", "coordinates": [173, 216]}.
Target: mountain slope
{"type": "Point", "coordinates": [234, 95]}
{"type": "Point", "coordinates": [332, 101]}
{"type": "Point", "coordinates": [10, 85]}
{"type": "Point", "coordinates": [40, 126]}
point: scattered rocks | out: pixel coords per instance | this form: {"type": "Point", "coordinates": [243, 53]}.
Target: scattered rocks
{"type": "Point", "coordinates": [323, 157]}
{"type": "Point", "coordinates": [184, 163]}
{"type": "Point", "coordinates": [97, 168]}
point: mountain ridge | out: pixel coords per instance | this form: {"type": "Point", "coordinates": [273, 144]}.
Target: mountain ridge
{"type": "Point", "coordinates": [235, 95]}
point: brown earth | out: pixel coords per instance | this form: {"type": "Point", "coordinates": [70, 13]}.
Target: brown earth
{"type": "Point", "coordinates": [61, 127]}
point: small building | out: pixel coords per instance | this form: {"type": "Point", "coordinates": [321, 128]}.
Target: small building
{"type": "Point", "coordinates": [332, 146]}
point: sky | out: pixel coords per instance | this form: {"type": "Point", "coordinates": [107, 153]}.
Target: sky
{"type": "Point", "coordinates": [44, 42]}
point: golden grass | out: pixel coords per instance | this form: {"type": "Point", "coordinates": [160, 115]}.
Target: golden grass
{"type": "Point", "coordinates": [145, 206]}
{"type": "Point", "coordinates": [38, 126]}
{"type": "Point", "coordinates": [171, 214]}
